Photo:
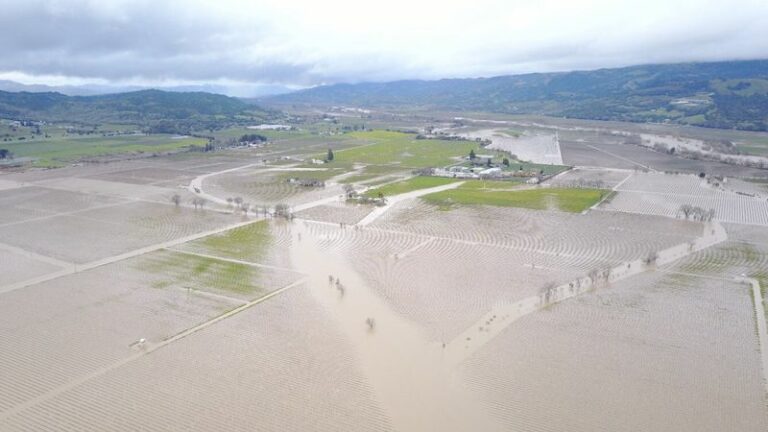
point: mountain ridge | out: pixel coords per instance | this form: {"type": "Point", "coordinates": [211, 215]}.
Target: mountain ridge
{"type": "Point", "coordinates": [731, 94]}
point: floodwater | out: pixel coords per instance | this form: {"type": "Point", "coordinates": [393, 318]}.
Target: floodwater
{"type": "Point", "coordinates": [411, 381]}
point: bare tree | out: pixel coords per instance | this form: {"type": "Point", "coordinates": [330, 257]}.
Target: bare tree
{"type": "Point", "coordinates": [349, 190]}
{"type": "Point", "coordinates": [244, 207]}
{"type": "Point", "coordinates": [651, 259]}
{"type": "Point", "coordinates": [199, 203]}
{"type": "Point", "coordinates": [547, 293]}
{"type": "Point", "coordinates": [176, 199]}
{"type": "Point", "coordinates": [282, 210]}
{"type": "Point", "coordinates": [593, 274]}
{"type": "Point", "coordinates": [371, 323]}
{"type": "Point", "coordinates": [686, 210]}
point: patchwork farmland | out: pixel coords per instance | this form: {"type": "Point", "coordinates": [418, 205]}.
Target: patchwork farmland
{"type": "Point", "coordinates": [279, 288]}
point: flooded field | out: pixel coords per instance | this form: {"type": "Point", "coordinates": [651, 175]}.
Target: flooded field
{"type": "Point", "coordinates": [139, 295]}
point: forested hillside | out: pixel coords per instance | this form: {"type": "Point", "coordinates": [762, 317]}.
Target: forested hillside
{"type": "Point", "coordinates": [721, 94]}
{"type": "Point", "coordinates": [156, 110]}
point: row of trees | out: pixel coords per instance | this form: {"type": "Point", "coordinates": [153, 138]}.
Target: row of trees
{"type": "Point", "coordinates": [238, 204]}
{"type": "Point", "coordinates": [252, 138]}
{"type": "Point", "coordinates": [197, 202]}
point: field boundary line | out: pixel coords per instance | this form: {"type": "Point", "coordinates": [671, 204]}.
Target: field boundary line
{"type": "Point", "coordinates": [77, 268]}
{"type": "Point", "coordinates": [502, 315]}
{"type": "Point", "coordinates": [36, 256]}
{"type": "Point", "coordinates": [616, 188]}
{"type": "Point", "coordinates": [617, 156]}
{"type": "Point", "coordinates": [233, 260]}
{"type": "Point", "coordinates": [762, 328]}
{"type": "Point", "coordinates": [69, 213]}
{"type": "Point", "coordinates": [148, 350]}
{"type": "Point", "coordinates": [391, 201]}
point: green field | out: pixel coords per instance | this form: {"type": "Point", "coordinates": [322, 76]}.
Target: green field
{"type": "Point", "coordinates": [248, 243]}
{"type": "Point", "coordinates": [401, 149]}
{"type": "Point", "coordinates": [490, 185]}
{"type": "Point", "coordinates": [756, 147]}
{"type": "Point", "coordinates": [371, 172]}
{"type": "Point", "coordinates": [323, 175]}
{"type": "Point", "coordinates": [569, 200]}
{"type": "Point", "coordinates": [201, 273]}
{"type": "Point", "coordinates": [58, 151]}
{"type": "Point", "coordinates": [409, 185]}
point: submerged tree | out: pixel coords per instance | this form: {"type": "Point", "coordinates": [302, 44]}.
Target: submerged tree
{"type": "Point", "coordinates": [349, 190]}
{"type": "Point", "coordinates": [651, 259]}
{"type": "Point", "coordinates": [244, 207]}
{"type": "Point", "coordinates": [282, 210]}
{"type": "Point", "coordinates": [686, 210]}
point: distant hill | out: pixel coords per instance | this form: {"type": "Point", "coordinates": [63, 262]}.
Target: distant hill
{"type": "Point", "coordinates": [721, 94]}
{"type": "Point", "coordinates": [157, 110]}
{"type": "Point", "coordinates": [243, 91]}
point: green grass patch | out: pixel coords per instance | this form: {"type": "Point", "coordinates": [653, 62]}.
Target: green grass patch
{"type": "Point", "coordinates": [201, 273]}
{"type": "Point", "coordinates": [402, 149]}
{"type": "Point", "coordinates": [62, 150]}
{"type": "Point", "coordinates": [569, 200]}
{"type": "Point", "coordinates": [373, 171]}
{"type": "Point", "coordinates": [762, 279]}
{"type": "Point", "coordinates": [247, 243]}
{"type": "Point", "coordinates": [323, 175]}
{"type": "Point", "coordinates": [490, 185]}
{"type": "Point", "coordinates": [409, 185]}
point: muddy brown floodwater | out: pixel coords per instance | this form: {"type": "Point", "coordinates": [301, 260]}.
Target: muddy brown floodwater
{"type": "Point", "coordinates": [412, 382]}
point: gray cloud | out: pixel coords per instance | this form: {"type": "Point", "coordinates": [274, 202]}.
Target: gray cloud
{"type": "Point", "coordinates": [246, 43]}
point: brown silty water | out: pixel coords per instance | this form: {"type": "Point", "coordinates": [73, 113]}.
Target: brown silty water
{"type": "Point", "coordinates": [411, 381]}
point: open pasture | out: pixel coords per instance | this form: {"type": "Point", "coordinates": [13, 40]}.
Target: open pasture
{"type": "Point", "coordinates": [240, 279]}
{"type": "Point", "coordinates": [58, 151]}
{"type": "Point", "coordinates": [568, 200]}
{"type": "Point", "coordinates": [403, 150]}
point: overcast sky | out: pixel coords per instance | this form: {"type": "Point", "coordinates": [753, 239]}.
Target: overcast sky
{"type": "Point", "coordinates": [243, 44]}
